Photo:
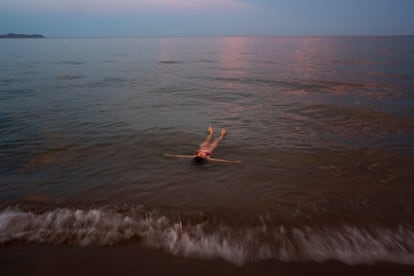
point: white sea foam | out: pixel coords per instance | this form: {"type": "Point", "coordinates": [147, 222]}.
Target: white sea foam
{"type": "Point", "coordinates": [238, 245]}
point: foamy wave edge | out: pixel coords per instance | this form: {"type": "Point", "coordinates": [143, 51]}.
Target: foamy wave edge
{"type": "Point", "coordinates": [238, 245]}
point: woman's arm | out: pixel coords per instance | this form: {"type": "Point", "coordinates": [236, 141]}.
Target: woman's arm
{"type": "Point", "coordinates": [224, 161]}
{"type": "Point", "coordinates": [179, 156]}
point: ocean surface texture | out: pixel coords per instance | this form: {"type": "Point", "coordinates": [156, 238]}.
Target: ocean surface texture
{"type": "Point", "coordinates": [324, 127]}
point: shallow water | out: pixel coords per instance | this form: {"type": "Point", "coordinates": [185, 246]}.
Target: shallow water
{"type": "Point", "coordinates": [324, 128]}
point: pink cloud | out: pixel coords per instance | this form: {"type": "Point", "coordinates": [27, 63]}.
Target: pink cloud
{"type": "Point", "coordinates": [115, 5]}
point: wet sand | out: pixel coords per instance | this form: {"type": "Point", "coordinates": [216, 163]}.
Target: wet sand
{"type": "Point", "coordinates": [133, 259]}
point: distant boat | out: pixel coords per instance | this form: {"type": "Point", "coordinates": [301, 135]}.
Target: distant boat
{"type": "Point", "coordinates": [12, 35]}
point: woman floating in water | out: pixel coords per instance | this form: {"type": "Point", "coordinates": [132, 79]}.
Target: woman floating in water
{"type": "Point", "coordinates": [206, 149]}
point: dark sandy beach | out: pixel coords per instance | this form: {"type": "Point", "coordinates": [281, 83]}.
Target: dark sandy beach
{"type": "Point", "coordinates": [133, 259]}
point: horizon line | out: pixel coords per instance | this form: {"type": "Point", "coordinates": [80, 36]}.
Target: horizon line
{"type": "Point", "coordinates": [218, 36]}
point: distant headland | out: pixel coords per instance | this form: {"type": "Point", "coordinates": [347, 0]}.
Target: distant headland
{"type": "Point", "coordinates": [12, 35]}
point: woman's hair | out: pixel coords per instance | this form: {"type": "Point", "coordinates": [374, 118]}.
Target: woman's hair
{"type": "Point", "coordinates": [198, 160]}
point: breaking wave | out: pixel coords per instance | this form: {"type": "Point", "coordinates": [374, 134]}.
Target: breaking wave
{"type": "Point", "coordinates": [195, 234]}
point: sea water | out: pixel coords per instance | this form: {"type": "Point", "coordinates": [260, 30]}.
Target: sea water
{"type": "Point", "coordinates": [324, 127]}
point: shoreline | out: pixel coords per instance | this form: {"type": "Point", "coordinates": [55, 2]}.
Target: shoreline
{"type": "Point", "coordinates": [134, 259]}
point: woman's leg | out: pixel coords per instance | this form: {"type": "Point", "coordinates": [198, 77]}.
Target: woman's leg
{"type": "Point", "coordinates": [207, 141]}
{"type": "Point", "coordinates": [214, 145]}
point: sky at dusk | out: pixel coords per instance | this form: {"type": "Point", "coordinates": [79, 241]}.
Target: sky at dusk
{"type": "Point", "coordinates": [108, 18]}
